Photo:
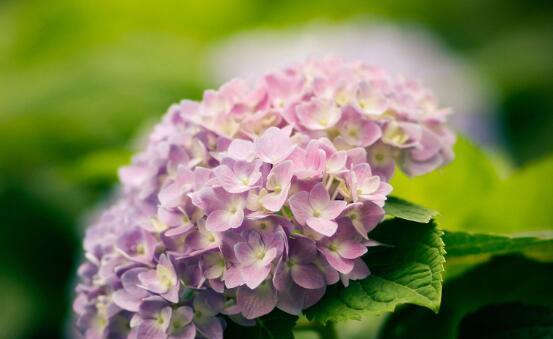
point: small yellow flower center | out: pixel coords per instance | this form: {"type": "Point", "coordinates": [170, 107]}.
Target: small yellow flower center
{"type": "Point", "coordinates": [165, 277]}
{"type": "Point", "coordinates": [353, 132]}
{"type": "Point", "coordinates": [140, 249]}
{"type": "Point", "coordinates": [260, 253]}
{"type": "Point", "coordinates": [159, 318]}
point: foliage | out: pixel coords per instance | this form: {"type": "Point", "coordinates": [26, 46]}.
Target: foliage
{"type": "Point", "coordinates": [276, 325]}
{"type": "Point", "coordinates": [471, 195]}
{"type": "Point", "coordinates": [501, 280]}
{"type": "Point", "coordinates": [406, 270]}
{"type": "Point", "coordinates": [407, 273]}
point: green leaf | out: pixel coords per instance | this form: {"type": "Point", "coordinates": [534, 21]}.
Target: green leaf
{"type": "Point", "coordinates": [465, 250]}
{"type": "Point", "coordinates": [471, 195]}
{"type": "Point", "coordinates": [275, 325]}
{"type": "Point", "coordinates": [407, 271]}
{"type": "Point", "coordinates": [513, 321]}
{"type": "Point", "coordinates": [463, 243]}
{"type": "Point", "coordinates": [455, 190]}
{"type": "Point", "coordinates": [501, 280]}
{"type": "Point", "coordinates": [403, 209]}
{"type": "Point", "coordinates": [521, 203]}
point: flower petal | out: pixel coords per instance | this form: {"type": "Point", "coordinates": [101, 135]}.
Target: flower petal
{"type": "Point", "coordinates": [350, 249]}
{"type": "Point", "coordinates": [334, 209]}
{"type": "Point", "coordinates": [299, 204]}
{"type": "Point", "coordinates": [274, 145]}
{"type": "Point", "coordinates": [308, 276]}
{"type": "Point", "coordinates": [323, 226]}
{"type": "Point", "coordinates": [319, 197]}
{"type": "Point", "coordinates": [254, 275]}
{"type": "Point", "coordinates": [257, 302]}
{"type": "Point", "coordinates": [341, 265]}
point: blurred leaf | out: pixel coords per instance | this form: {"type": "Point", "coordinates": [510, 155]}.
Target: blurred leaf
{"type": "Point", "coordinates": [462, 243]}
{"type": "Point", "coordinates": [455, 190]}
{"type": "Point", "coordinates": [17, 305]}
{"type": "Point", "coordinates": [403, 209]}
{"type": "Point", "coordinates": [408, 271]}
{"type": "Point", "coordinates": [513, 321]}
{"type": "Point", "coordinates": [465, 250]}
{"type": "Point", "coordinates": [521, 203]}
{"type": "Point", "coordinates": [275, 325]}
{"type": "Point", "coordinates": [471, 196]}
{"type": "Point", "coordinates": [98, 166]}
{"type": "Point", "coordinates": [502, 280]}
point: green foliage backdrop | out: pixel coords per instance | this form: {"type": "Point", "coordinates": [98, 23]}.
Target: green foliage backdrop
{"type": "Point", "coordinates": [79, 80]}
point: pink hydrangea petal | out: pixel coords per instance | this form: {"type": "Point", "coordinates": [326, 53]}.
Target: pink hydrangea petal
{"type": "Point", "coordinates": [149, 281]}
{"type": "Point", "coordinates": [254, 275]}
{"type": "Point", "coordinates": [292, 300]}
{"type": "Point", "coordinates": [281, 174]}
{"type": "Point", "coordinates": [302, 250]}
{"type": "Point", "coordinates": [370, 133]}
{"type": "Point", "coordinates": [359, 271]}
{"type": "Point", "coordinates": [254, 239]}
{"type": "Point", "coordinates": [364, 216]}
{"type": "Point", "coordinates": [281, 277]}
{"type": "Point", "coordinates": [356, 156]}
{"type": "Point", "coordinates": [274, 201]}
{"type": "Point", "coordinates": [402, 134]}
{"type": "Point", "coordinates": [350, 249]}
{"type": "Point", "coordinates": [333, 209]}
{"type": "Point", "coordinates": [274, 145]}
{"type": "Point", "coordinates": [232, 277]}
{"type": "Point", "coordinates": [270, 255]}
{"type": "Point", "coordinates": [221, 220]}
{"type": "Point", "coordinates": [370, 184]}
{"type": "Point", "coordinates": [240, 149]}
{"type": "Point", "coordinates": [257, 302]}
{"type": "Point", "coordinates": [244, 253]}
{"type": "Point", "coordinates": [187, 332]}
{"type": "Point", "coordinates": [209, 327]}
{"type": "Point", "coordinates": [227, 179]}
{"type": "Point", "coordinates": [171, 195]}
{"type": "Point", "coordinates": [313, 296]}
{"type": "Point", "coordinates": [151, 330]}
{"type": "Point", "coordinates": [218, 221]}
{"type": "Point", "coordinates": [337, 162]}
{"type": "Point", "coordinates": [318, 114]}
{"type": "Point", "coordinates": [299, 204]}
{"type": "Point", "coordinates": [319, 197]}
{"type": "Point", "coordinates": [340, 264]}
{"type": "Point", "coordinates": [324, 226]}
{"type": "Point", "coordinates": [172, 295]}
{"type": "Point", "coordinates": [126, 300]}
{"type": "Point", "coordinates": [213, 272]}
{"type": "Point", "coordinates": [308, 276]}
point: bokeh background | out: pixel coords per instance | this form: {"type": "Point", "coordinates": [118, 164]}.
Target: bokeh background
{"type": "Point", "coordinates": [81, 81]}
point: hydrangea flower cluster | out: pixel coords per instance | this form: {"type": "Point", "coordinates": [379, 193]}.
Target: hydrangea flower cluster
{"type": "Point", "coordinates": [258, 197]}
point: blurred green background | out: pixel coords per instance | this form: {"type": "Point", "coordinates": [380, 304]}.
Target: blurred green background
{"type": "Point", "coordinates": [80, 80]}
